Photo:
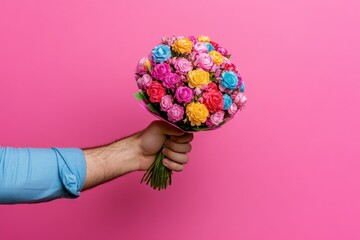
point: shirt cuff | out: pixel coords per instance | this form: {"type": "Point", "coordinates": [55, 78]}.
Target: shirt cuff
{"type": "Point", "coordinates": [72, 170]}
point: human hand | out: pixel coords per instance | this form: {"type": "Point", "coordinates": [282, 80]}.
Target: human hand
{"type": "Point", "coordinates": [177, 145]}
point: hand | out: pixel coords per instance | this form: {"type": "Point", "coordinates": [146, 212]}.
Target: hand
{"type": "Point", "coordinates": [137, 152]}
{"type": "Point", "coordinates": [177, 145]}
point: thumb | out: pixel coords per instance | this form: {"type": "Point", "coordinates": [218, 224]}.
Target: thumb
{"type": "Point", "coordinates": [168, 129]}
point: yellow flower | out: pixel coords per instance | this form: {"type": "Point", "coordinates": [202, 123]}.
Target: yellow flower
{"type": "Point", "coordinates": [197, 78]}
{"type": "Point", "coordinates": [197, 113]}
{"type": "Point", "coordinates": [147, 64]}
{"type": "Point", "coordinates": [203, 38]}
{"type": "Point", "coordinates": [183, 45]}
{"type": "Point", "coordinates": [217, 57]}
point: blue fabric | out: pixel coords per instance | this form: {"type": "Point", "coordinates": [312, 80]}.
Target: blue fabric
{"type": "Point", "coordinates": [30, 175]}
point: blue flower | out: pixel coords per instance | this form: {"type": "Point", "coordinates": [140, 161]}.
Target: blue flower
{"type": "Point", "coordinates": [227, 101]}
{"type": "Point", "coordinates": [242, 87]}
{"type": "Point", "coordinates": [161, 53]}
{"type": "Point", "coordinates": [209, 46]}
{"type": "Point", "coordinates": [229, 80]}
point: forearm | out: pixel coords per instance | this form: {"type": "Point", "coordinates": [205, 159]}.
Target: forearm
{"type": "Point", "coordinates": [107, 162]}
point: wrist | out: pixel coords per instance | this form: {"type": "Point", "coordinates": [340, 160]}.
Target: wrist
{"type": "Point", "coordinates": [128, 153]}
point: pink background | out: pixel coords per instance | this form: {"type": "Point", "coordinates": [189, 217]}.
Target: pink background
{"type": "Point", "coordinates": [287, 167]}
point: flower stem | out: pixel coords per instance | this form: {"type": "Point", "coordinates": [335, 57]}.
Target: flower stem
{"type": "Point", "coordinates": [158, 175]}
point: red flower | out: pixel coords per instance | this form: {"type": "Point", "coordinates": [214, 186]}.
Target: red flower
{"type": "Point", "coordinates": [211, 87]}
{"type": "Point", "coordinates": [231, 67]}
{"type": "Point", "coordinates": [213, 99]}
{"type": "Point", "coordinates": [215, 45]}
{"type": "Point", "coordinates": [155, 92]}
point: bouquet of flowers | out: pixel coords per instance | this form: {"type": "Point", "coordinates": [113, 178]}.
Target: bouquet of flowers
{"type": "Point", "coordinates": [190, 83]}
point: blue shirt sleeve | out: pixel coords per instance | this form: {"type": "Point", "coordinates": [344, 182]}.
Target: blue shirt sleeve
{"type": "Point", "coordinates": [31, 175]}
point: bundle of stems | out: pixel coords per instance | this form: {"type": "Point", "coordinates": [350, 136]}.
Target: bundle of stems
{"type": "Point", "coordinates": [158, 175]}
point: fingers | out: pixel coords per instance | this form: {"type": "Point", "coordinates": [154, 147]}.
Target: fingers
{"type": "Point", "coordinates": [185, 138]}
{"type": "Point", "coordinates": [175, 160]}
{"type": "Point", "coordinates": [175, 156]}
{"type": "Point", "coordinates": [178, 147]}
{"type": "Point", "coordinates": [173, 165]}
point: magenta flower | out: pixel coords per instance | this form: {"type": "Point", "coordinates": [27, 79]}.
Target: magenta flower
{"type": "Point", "coordinates": [160, 71]}
{"type": "Point", "coordinates": [171, 80]}
{"type": "Point", "coordinates": [184, 94]}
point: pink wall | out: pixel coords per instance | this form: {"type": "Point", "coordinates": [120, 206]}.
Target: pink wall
{"type": "Point", "coordinates": [287, 167]}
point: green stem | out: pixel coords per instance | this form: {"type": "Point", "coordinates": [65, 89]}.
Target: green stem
{"type": "Point", "coordinates": [157, 175]}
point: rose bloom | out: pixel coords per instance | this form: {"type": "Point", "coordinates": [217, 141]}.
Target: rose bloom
{"type": "Point", "coordinates": [144, 81]}
{"type": "Point", "coordinates": [203, 38]}
{"type": "Point", "coordinates": [215, 119]}
{"type": "Point", "coordinates": [160, 71]}
{"type": "Point", "coordinates": [182, 45]}
{"type": "Point", "coordinates": [141, 67]}
{"type": "Point", "coordinates": [198, 78]}
{"type": "Point", "coordinates": [184, 94]}
{"type": "Point", "coordinates": [213, 100]}
{"type": "Point", "coordinates": [197, 113]}
{"type": "Point", "coordinates": [204, 61]}
{"type": "Point", "coordinates": [232, 109]}
{"type": "Point", "coordinates": [200, 47]}
{"type": "Point", "coordinates": [166, 103]}
{"type": "Point", "coordinates": [175, 113]}
{"type": "Point", "coordinates": [155, 92]}
{"type": "Point", "coordinates": [217, 57]}
{"type": "Point", "coordinates": [222, 50]}
{"type": "Point", "coordinates": [171, 80]}
{"type": "Point", "coordinates": [182, 65]}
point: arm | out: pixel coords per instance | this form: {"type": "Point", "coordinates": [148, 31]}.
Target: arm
{"type": "Point", "coordinates": [136, 153]}
{"type": "Point", "coordinates": [30, 175]}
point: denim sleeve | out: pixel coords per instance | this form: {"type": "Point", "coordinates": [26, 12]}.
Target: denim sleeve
{"type": "Point", "coordinates": [31, 175]}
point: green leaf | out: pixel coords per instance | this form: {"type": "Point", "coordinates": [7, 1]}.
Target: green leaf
{"type": "Point", "coordinates": [228, 56]}
{"type": "Point", "coordinates": [139, 96]}
{"type": "Point", "coordinates": [151, 108]}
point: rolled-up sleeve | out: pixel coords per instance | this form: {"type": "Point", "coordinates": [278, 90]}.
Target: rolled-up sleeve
{"type": "Point", "coordinates": [31, 175]}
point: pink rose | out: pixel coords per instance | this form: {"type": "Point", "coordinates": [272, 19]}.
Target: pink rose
{"type": "Point", "coordinates": [160, 71]}
{"type": "Point", "coordinates": [144, 81]}
{"type": "Point", "coordinates": [141, 68]}
{"type": "Point", "coordinates": [200, 47]}
{"type": "Point", "coordinates": [204, 61]}
{"type": "Point", "coordinates": [193, 39]}
{"type": "Point", "coordinates": [197, 91]}
{"type": "Point", "coordinates": [166, 103]}
{"type": "Point", "coordinates": [183, 66]}
{"type": "Point", "coordinates": [225, 61]}
{"type": "Point", "coordinates": [215, 68]}
{"type": "Point", "coordinates": [223, 51]}
{"type": "Point", "coordinates": [215, 119]}
{"type": "Point", "coordinates": [171, 80]}
{"type": "Point", "coordinates": [184, 94]}
{"type": "Point", "coordinates": [232, 109]}
{"type": "Point", "coordinates": [239, 98]}
{"type": "Point", "coordinates": [175, 113]}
